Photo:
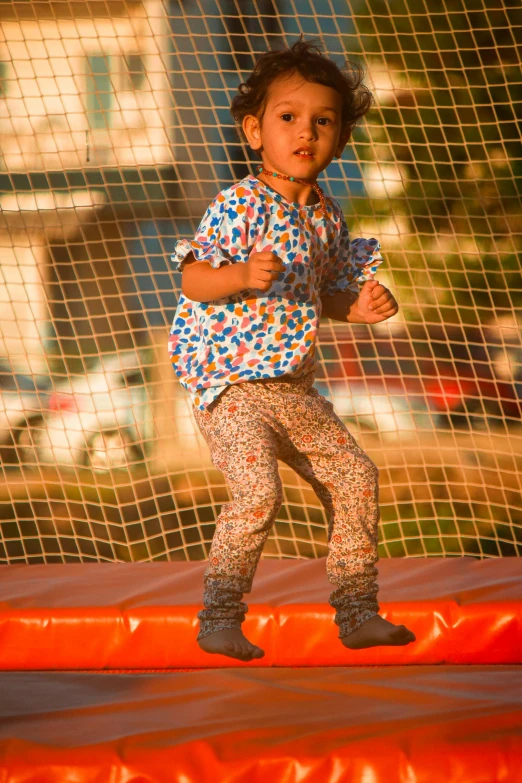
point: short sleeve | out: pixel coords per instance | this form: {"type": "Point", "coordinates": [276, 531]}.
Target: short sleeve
{"type": "Point", "coordinates": [355, 262]}
{"type": "Point", "coordinates": [222, 236]}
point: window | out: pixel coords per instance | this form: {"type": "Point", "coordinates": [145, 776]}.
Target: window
{"type": "Point", "coordinates": [99, 92]}
{"type": "Point", "coordinates": [3, 78]}
{"type": "Point", "coordinates": [133, 72]}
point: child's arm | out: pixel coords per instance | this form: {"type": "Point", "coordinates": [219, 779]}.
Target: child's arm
{"type": "Point", "coordinates": [374, 304]}
{"type": "Point", "coordinates": [203, 283]}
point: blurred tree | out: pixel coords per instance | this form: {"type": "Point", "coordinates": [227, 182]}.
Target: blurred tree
{"type": "Point", "coordinates": [448, 85]}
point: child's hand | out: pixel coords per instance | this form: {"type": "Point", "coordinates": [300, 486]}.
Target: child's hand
{"type": "Point", "coordinates": [375, 303]}
{"type": "Point", "coordinates": [261, 269]}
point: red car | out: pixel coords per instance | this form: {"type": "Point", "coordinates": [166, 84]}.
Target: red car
{"type": "Point", "coordinates": [455, 369]}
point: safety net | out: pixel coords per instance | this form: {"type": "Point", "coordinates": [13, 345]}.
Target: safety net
{"type": "Point", "coordinates": [115, 134]}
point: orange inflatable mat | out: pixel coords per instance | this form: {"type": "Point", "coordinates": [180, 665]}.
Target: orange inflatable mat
{"type": "Point", "coordinates": [143, 615]}
{"type": "Point", "coordinates": [417, 724]}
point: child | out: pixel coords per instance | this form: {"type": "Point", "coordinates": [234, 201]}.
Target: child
{"type": "Point", "coordinates": [272, 255]}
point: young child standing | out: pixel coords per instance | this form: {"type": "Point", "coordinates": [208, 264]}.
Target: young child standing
{"type": "Point", "coordinates": [271, 256]}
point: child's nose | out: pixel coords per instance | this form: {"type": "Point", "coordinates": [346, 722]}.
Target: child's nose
{"type": "Point", "coordinates": [308, 130]}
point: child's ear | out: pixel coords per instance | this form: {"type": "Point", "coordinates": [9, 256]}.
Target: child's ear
{"type": "Point", "coordinates": [343, 141]}
{"type": "Point", "coordinates": [252, 130]}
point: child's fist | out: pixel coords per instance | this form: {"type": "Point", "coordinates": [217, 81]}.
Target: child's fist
{"type": "Point", "coordinates": [376, 303]}
{"type": "Point", "coordinates": [261, 269]}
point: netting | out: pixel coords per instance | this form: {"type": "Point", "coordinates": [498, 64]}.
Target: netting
{"type": "Point", "coordinates": [115, 134]}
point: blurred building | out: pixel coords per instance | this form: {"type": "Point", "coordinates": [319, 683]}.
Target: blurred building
{"type": "Point", "coordinates": [85, 125]}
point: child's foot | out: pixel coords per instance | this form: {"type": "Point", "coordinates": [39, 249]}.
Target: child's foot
{"type": "Point", "coordinates": [376, 632]}
{"type": "Point", "coordinates": [230, 642]}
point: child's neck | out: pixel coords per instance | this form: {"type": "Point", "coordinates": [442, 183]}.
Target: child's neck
{"type": "Point", "coordinates": [291, 191]}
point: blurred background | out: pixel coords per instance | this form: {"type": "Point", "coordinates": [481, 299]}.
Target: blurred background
{"type": "Point", "coordinates": [115, 134]}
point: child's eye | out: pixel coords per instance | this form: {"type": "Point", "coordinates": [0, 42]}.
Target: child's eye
{"type": "Point", "coordinates": [323, 120]}
{"type": "Point", "coordinates": [286, 117]}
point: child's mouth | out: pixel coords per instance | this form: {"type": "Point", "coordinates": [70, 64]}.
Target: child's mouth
{"type": "Point", "coordinates": [305, 154]}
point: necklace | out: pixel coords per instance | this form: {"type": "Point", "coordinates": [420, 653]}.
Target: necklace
{"type": "Point", "coordinates": [314, 185]}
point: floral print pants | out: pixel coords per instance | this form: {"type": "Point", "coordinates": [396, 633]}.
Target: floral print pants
{"type": "Point", "coordinates": [248, 428]}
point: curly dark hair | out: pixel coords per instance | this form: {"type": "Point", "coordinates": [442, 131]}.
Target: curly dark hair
{"type": "Point", "coordinates": [306, 58]}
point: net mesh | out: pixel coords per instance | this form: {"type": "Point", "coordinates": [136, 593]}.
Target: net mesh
{"type": "Point", "coordinates": [115, 134]}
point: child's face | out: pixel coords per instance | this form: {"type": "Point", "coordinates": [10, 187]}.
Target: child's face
{"type": "Point", "coordinates": [300, 132]}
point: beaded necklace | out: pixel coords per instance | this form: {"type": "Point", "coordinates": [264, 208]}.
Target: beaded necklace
{"type": "Point", "coordinates": [314, 185]}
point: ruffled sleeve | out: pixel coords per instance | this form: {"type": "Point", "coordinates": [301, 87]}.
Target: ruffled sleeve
{"type": "Point", "coordinates": [365, 258]}
{"type": "Point", "coordinates": [354, 263]}
{"type": "Point", "coordinates": [223, 236]}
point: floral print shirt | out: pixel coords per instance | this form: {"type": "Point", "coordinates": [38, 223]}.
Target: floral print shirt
{"type": "Point", "coordinates": [255, 334]}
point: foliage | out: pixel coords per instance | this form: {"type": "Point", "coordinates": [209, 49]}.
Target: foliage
{"type": "Point", "coordinates": [448, 85]}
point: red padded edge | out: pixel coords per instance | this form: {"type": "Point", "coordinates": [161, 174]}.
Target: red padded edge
{"type": "Point", "coordinates": [391, 725]}
{"type": "Point", "coordinates": [143, 615]}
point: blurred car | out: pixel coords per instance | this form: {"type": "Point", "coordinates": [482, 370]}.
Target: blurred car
{"type": "Point", "coordinates": [22, 398]}
{"type": "Point", "coordinates": [423, 376]}
{"type": "Point", "coordinates": [385, 405]}
{"type": "Point", "coordinates": [101, 419]}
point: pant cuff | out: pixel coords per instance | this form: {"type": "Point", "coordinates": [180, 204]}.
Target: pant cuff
{"type": "Point", "coordinates": [351, 624]}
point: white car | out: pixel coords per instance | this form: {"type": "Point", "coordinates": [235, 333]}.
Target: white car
{"type": "Point", "coordinates": [101, 419]}
{"type": "Point", "coordinates": [22, 399]}
{"type": "Point", "coordinates": [380, 407]}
